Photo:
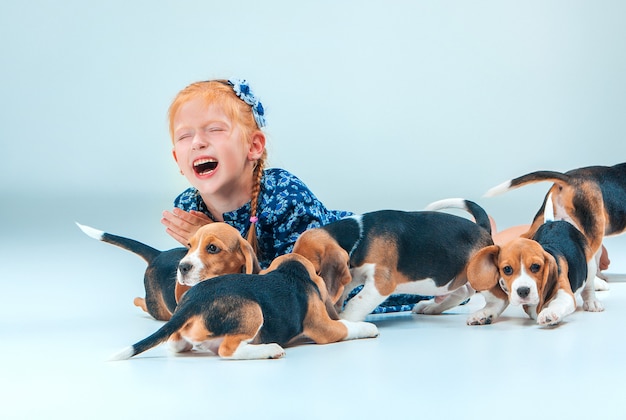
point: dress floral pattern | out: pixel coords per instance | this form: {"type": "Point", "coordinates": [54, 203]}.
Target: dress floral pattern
{"type": "Point", "coordinates": [286, 209]}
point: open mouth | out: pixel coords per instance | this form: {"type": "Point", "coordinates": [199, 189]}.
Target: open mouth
{"type": "Point", "coordinates": [204, 166]}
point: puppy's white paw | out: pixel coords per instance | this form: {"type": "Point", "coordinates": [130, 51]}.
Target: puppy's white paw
{"type": "Point", "coordinates": [273, 351]}
{"type": "Point", "coordinates": [358, 330]}
{"type": "Point", "coordinates": [601, 285]}
{"type": "Point", "coordinates": [427, 308]}
{"type": "Point", "coordinates": [247, 351]}
{"type": "Point", "coordinates": [593, 305]}
{"type": "Point", "coordinates": [369, 330]}
{"type": "Point", "coordinates": [548, 317]}
{"type": "Point", "coordinates": [481, 317]}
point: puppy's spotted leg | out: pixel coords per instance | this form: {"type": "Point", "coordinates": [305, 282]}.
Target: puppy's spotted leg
{"type": "Point", "coordinates": [590, 302]}
{"type": "Point", "coordinates": [601, 281]}
{"type": "Point", "coordinates": [368, 298]}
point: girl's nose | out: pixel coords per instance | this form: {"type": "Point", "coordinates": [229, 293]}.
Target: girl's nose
{"type": "Point", "coordinates": [199, 142]}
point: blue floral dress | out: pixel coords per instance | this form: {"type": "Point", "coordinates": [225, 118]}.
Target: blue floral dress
{"type": "Point", "coordinates": [286, 209]}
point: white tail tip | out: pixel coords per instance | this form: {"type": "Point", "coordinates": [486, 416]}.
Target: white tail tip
{"type": "Point", "coordinates": [454, 203]}
{"type": "Point", "coordinates": [548, 212]}
{"type": "Point", "coordinates": [125, 354]}
{"type": "Point", "coordinates": [89, 231]}
{"type": "Point", "coordinates": [498, 189]}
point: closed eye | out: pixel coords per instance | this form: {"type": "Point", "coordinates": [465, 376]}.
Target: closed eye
{"type": "Point", "coordinates": [183, 137]}
{"type": "Point", "coordinates": [215, 127]}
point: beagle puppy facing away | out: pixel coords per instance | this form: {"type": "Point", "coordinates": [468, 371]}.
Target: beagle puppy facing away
{"type": "Point", "coordinates": [387, 251]}
{"type": "Point", "coordinates": [251, 316]}
{"type": "Point", "coordinates": [591, 198]}
{"type": "Point", "coordinates": [220, 250]}
{"type": "Point", "coordinates": [544, 274]}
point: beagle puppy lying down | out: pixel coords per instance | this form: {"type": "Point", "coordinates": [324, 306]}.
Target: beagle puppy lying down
{"type": "Point", "coordinates": [388, 251]}
{"type": "Point", "coordinates": [251, 316]}
{"type": "Point", "coordinates": [218, 249]}
{"type": "Point", "coordinates": [544, 274]}
{"type": "Point", "coordinates": [592, 198]}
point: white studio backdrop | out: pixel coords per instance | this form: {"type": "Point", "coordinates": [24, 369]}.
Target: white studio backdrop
{"type": "Point", "coordinates": [373, 104]}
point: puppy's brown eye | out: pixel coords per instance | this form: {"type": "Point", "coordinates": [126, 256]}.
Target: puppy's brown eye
{"type": "Point", "coordinates": [534, 268]}
{"type": "Point", "coordinates": [508, 270]}
{"type": "Point", "coordinates": [212, 249]}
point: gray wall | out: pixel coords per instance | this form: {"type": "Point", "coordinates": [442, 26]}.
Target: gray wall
{"type": "Point", "coordinates": [374, 104]}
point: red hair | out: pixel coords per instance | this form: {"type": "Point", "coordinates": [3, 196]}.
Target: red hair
{"type": "Point", "coordinates": [221, 92]}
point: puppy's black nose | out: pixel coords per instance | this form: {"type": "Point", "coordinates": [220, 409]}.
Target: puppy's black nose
{"type": "Point", "coordinates": [184, 268]}
{"type": "Point", "coordinates": [523, 292]}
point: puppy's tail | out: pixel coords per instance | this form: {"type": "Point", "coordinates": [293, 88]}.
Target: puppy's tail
{"type": "Point", "coordinates": [478, 213]}
{"type": "Point", "coordinates": [548, 210]}
{"type": "Point", "coordinates": [177, 321]}
{"type": "Point", "coordinates": [531, 178]}
{"type": "Point", "coordinates": [144, 251]}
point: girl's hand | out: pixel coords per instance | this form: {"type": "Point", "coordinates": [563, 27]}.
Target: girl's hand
{"type": "Point", "coordinates": [181, 225]}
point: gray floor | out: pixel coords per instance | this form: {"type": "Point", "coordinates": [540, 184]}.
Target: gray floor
{"type": "Point", "coordinates": [67, 306]}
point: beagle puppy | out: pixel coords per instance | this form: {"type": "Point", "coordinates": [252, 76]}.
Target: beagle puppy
{"type": "Point", "coordinates": [251, 316]}
{"type": "Point", "coordinates": [591, 198]}
{"type": "Point", "coordinates": [391, 251]}
{"type": "Point", "coordinates": [215, 249]}
{"type": "Point", "coordinates": [223, 251]}
{"type": "Point", "coordinates": [544, 274]}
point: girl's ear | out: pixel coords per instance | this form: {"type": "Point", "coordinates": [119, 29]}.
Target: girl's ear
{"type": "Point", "coordinates": [257, 146]}
{"type": "Point", "coordinates": [176, 159]}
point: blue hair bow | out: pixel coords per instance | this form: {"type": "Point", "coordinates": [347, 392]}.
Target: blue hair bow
{"type": "Point", "coordinates": [243, 91]}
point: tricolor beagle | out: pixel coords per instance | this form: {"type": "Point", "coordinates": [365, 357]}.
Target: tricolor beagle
{"type": "Point", "coordinates": [387, 251]}
{"type": "Point", "coordinates": [592, 198]}
{"type": "Point", "coordinates": [544, 274]}
{"type": "Point", "coordinates": [215, 249]}
{"type": "Point", "coordinates": [250, 316]}
{"type": "Point", "coordinates": [219, 250]}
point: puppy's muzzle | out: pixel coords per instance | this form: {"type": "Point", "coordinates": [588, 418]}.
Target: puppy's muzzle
{"type": "Point", "coordinates": [184, 268]}
{"type": "Point", "coordinates": [524, 295]}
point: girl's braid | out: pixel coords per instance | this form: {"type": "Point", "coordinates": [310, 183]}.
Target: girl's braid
{"type": "Point", "coordinates": [254, 204]}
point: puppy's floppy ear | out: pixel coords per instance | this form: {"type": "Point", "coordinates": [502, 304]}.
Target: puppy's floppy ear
{"type": "Point", "coordinates": [331, 262]}
{"type": "Point", "coordinates": [550, 280]}
{"type": "Point", "coordinates": [276, 262]}
{"type": "Point", "coordinates": [250, 258]}
{"type": "Point", "coordinates": [335, 270]}
{"type": "Point", "coordinates": [179, 291]}
{"type": "Point", "coordinates": [482, 270]}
